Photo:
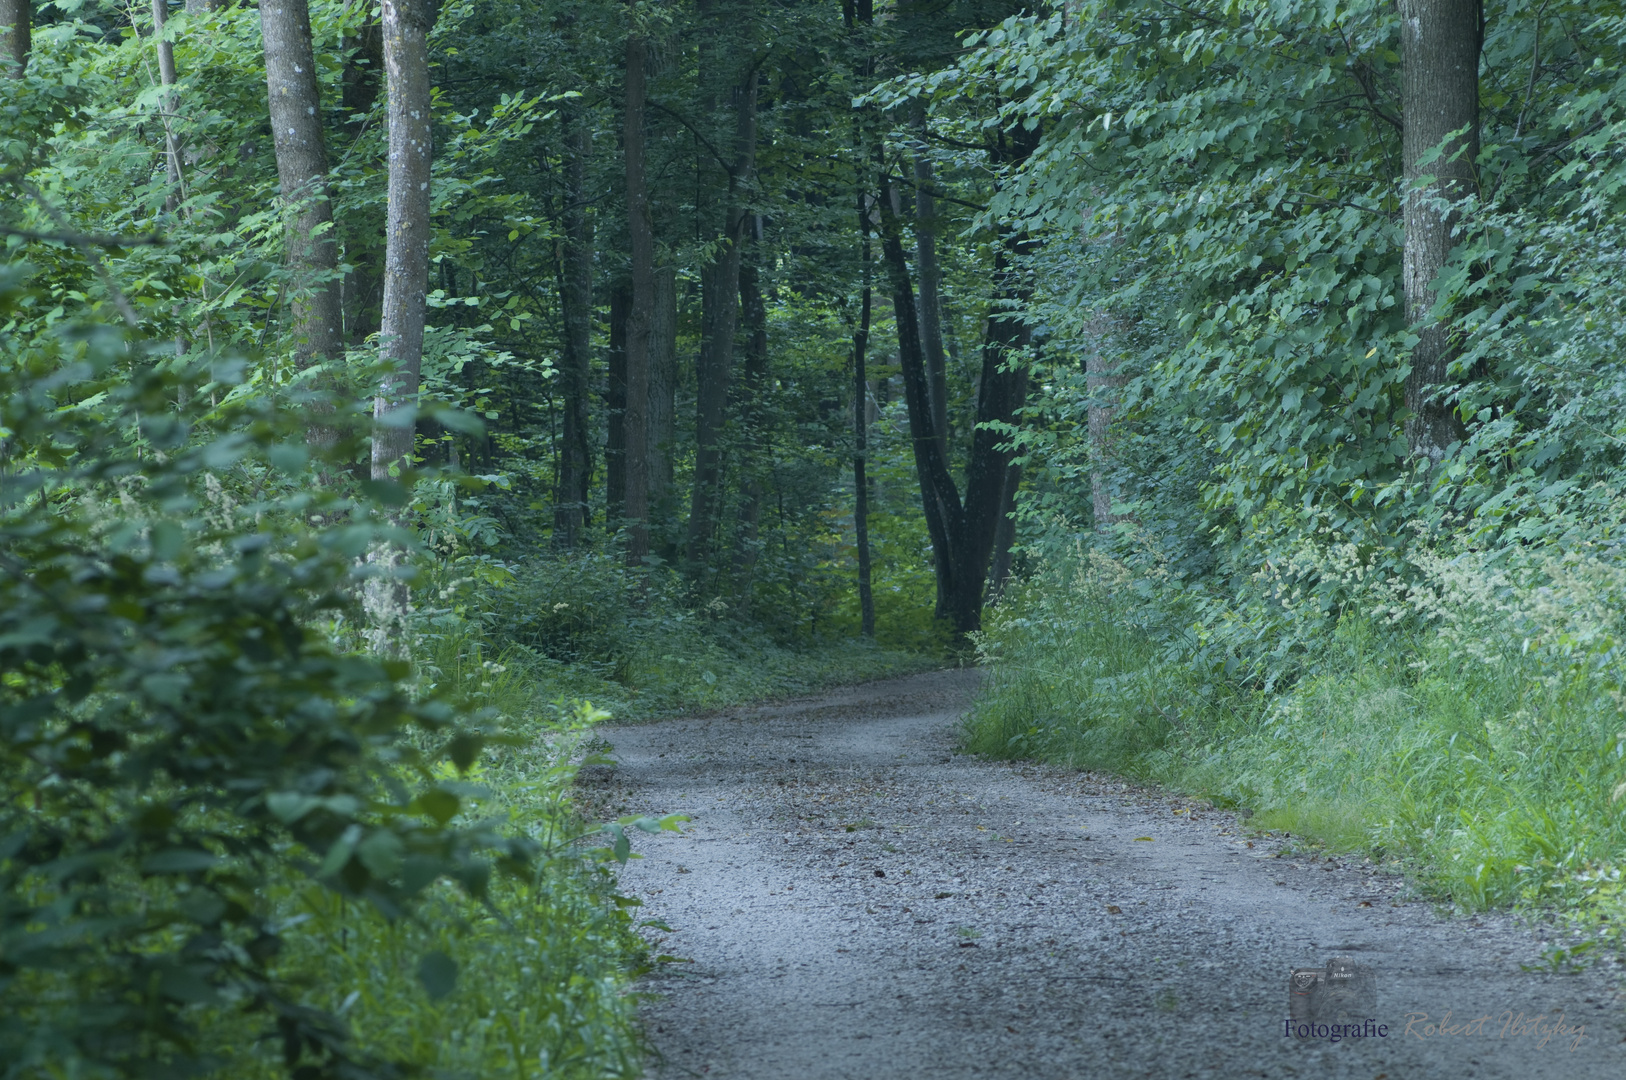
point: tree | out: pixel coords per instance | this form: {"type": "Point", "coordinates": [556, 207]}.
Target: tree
{"type": "Point", "coordinates": [963, 533]}
{"type": "Point", "coordinates": [302, 168]}
{"type": "Point", "coordinates": [406, 283]}
{"type": "Point", "coordinates": [641, 306]}
{"type": "Point", "coordinates": [1442, 40]}
{"type": "Point", "coordinates": [576, 309]}
{"type": "Point", "coordinates": [16, 24]}
{"type": "Point", "coordinates": [720, 300]}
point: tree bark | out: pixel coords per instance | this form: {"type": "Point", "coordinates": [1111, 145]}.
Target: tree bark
{"type": "Point", "coordinates": [1441, 40]}
{"type": "Point", "coordinates": [1101, 380]}
{"type": "Point", "coordinates": [615, 407]}
{"type": "Point", "coordinates": [363, 286]}
{"type": "Point", "coordinates": [963, 534]}
{"type": "Point", "coordinates": [1004, 536]}
{"type": "Point", "coordinates": [167, 106]}
{"type": "Point", "coordinates": [940, 499]}
{"type": "Point", "coordinates": [576, 304]}
{"type": "Point", "coordinates": [17, 26]}
{"type": "Point", "coordinates": [640, 316]}
{"type": "Point", "coordinates": [931, 276]}
{"type": "Point", "coordinates": [406, 285]}
{"type": "Point", "coordinates": [406, 254]}
{"type": "Point", "coordinates": [719, 321]}
{"type": "Point", "coordinates": [866, 592]}
{"type": "Point", "coordinates": [663, 411]}
{"type": "Point", "coordinates": [302, 165]}
{"type": "Point", "coordinates": [754, 421]}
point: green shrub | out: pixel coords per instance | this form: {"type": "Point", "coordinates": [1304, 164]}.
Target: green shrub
{"type": "Point", "coordinates": [188, 758]}
{"type": "Point", "coordinates": [1469, 721]}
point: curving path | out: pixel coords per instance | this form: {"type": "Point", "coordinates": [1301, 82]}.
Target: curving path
{"type": "Point", "coordinates": [855, 901]}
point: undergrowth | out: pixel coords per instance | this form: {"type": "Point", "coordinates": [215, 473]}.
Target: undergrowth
{"type": "Point", "coordinates": [543, 973]}
{"type": "Point", "coordinates": [584, 627]}
{"type": "Point", "coordinates": [1465, 722]}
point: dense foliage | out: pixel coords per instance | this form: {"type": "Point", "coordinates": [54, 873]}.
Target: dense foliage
{"type": "Point", "coordinates": [1279, 601]}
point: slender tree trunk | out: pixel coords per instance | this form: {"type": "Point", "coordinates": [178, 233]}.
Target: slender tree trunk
{"type": "Point", "coordinates": [641, 315]}
{"type": "Point", "coordinates": [576, 303]}
{"type": "Point", "coordinates": [1441, 40]}
{"type": "Point", "coordinates": [990, 477]}
{"type": "Point", "coordinates": [363, 286]}
{"type": "Point", "coordinates": [296, 135]}
{"type": "Point", "coordinates": [1004, 536]}
{"type": "Point", "coordinates": [866, 593]}
{"type": "Point", "coordinates": [1102, 382]}
{"type": "Point", "coordinates": [17, 28]}
{"type": "Point", "coordinates": [720, 313]}
{"type": "Point", "coordinates": [615, 407]}
{"type": "Point", "coordinates": [167, 107]}
{"type": "Point", "coordinates": [940, 500]}
{"type": "Point", "coordinates": [406, 285]}
{"type": "Point", "coordinates": [931, 276]}
{"type": "Point", "coordinates": [963, 534]}
{"type": "Point", "coordinates": [754, 420]}
{"type": "Point", "coordinates": [663, 411]}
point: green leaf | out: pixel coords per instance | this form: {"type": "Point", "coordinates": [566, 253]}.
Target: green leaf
{"type": "Point", "coordinates": [178, 861]}
{"type": "Point", "coordinates": [438, 973]}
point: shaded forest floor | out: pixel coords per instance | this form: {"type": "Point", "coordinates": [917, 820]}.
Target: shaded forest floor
{"type": "Point", "coordinates": [854, 899]}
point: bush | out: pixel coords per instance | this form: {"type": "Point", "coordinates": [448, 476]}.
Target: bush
{"type": "Point", "coordinates": [1468, 719]}
{"type": "Point", "coordinates": [188, 758]}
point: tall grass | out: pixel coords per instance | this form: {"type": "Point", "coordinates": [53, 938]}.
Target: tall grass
{"type": "Point", "coordinates": [544, 970]}
{"type": "Point", "coordinates": [1467, 720]}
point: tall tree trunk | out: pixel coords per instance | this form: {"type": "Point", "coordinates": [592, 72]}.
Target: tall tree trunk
{"type": "Point", "coordinates": [576, 304]}
{"type": "Point", "coordinates": [1102, 381]}
{"type": "Point", "coordinates": [940, 499]}
{"type": "Point", "coordinates": [16, 35]}
{"type": "Point", "coordinates": [754, 421]}
{"type": "Point", "coordinates": [866, 592]}
{"type": "Point", "coordinates": [296, 136]}
{"type": "Point", "coordinates": [406, 284]}
{"type": "Point", "coordinates": [640, 317]}
{"type": "Point", "coordinates": [931, 277]}
{"type": "Point", "coordinates": [615, 408]}
{"type": "Point", "coordinates": [990, 477]}
{"type": "Point", "coordinates": [719, 320]}
{"type": "Point", "coordinates": [663, 411]}
{"type": "Point", "coordinates": [167, 106]}
{"type": "Point", "coordinates": [999, 571]}
{"type": "Point", "coordinates": [963, 534]}
{"type": "Point", "coordinates": [857, 14]}
{"type": "Point", "coordinates": [1441, 40]}
{"type": "Point", "coordinates": [363, 286]}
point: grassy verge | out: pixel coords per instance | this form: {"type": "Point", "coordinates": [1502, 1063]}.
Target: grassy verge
{"type": "Point", "coordinates": [1482, 744]}
{"type": "Point", "coordinates": [543, 974]}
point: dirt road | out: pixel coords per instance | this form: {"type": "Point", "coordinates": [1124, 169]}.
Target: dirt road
{"type": "Point", "coordinates": [855, 901]}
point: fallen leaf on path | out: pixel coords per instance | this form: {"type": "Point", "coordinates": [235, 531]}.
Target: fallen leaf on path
{"type": "Point", "coordinates": [1148, 839]}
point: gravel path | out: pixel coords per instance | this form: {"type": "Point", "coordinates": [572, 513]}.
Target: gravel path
{"type": "Point", "coordinates": [853, 900]}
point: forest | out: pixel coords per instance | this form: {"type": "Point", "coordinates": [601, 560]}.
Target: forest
{"type": "Point", "coordinates": [390, 393]}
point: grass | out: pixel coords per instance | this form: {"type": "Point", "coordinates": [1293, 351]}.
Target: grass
{"type": "Point", "coordinates": [1487, 762]}
{"type": "Point", "coordinates": [544, 972]}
